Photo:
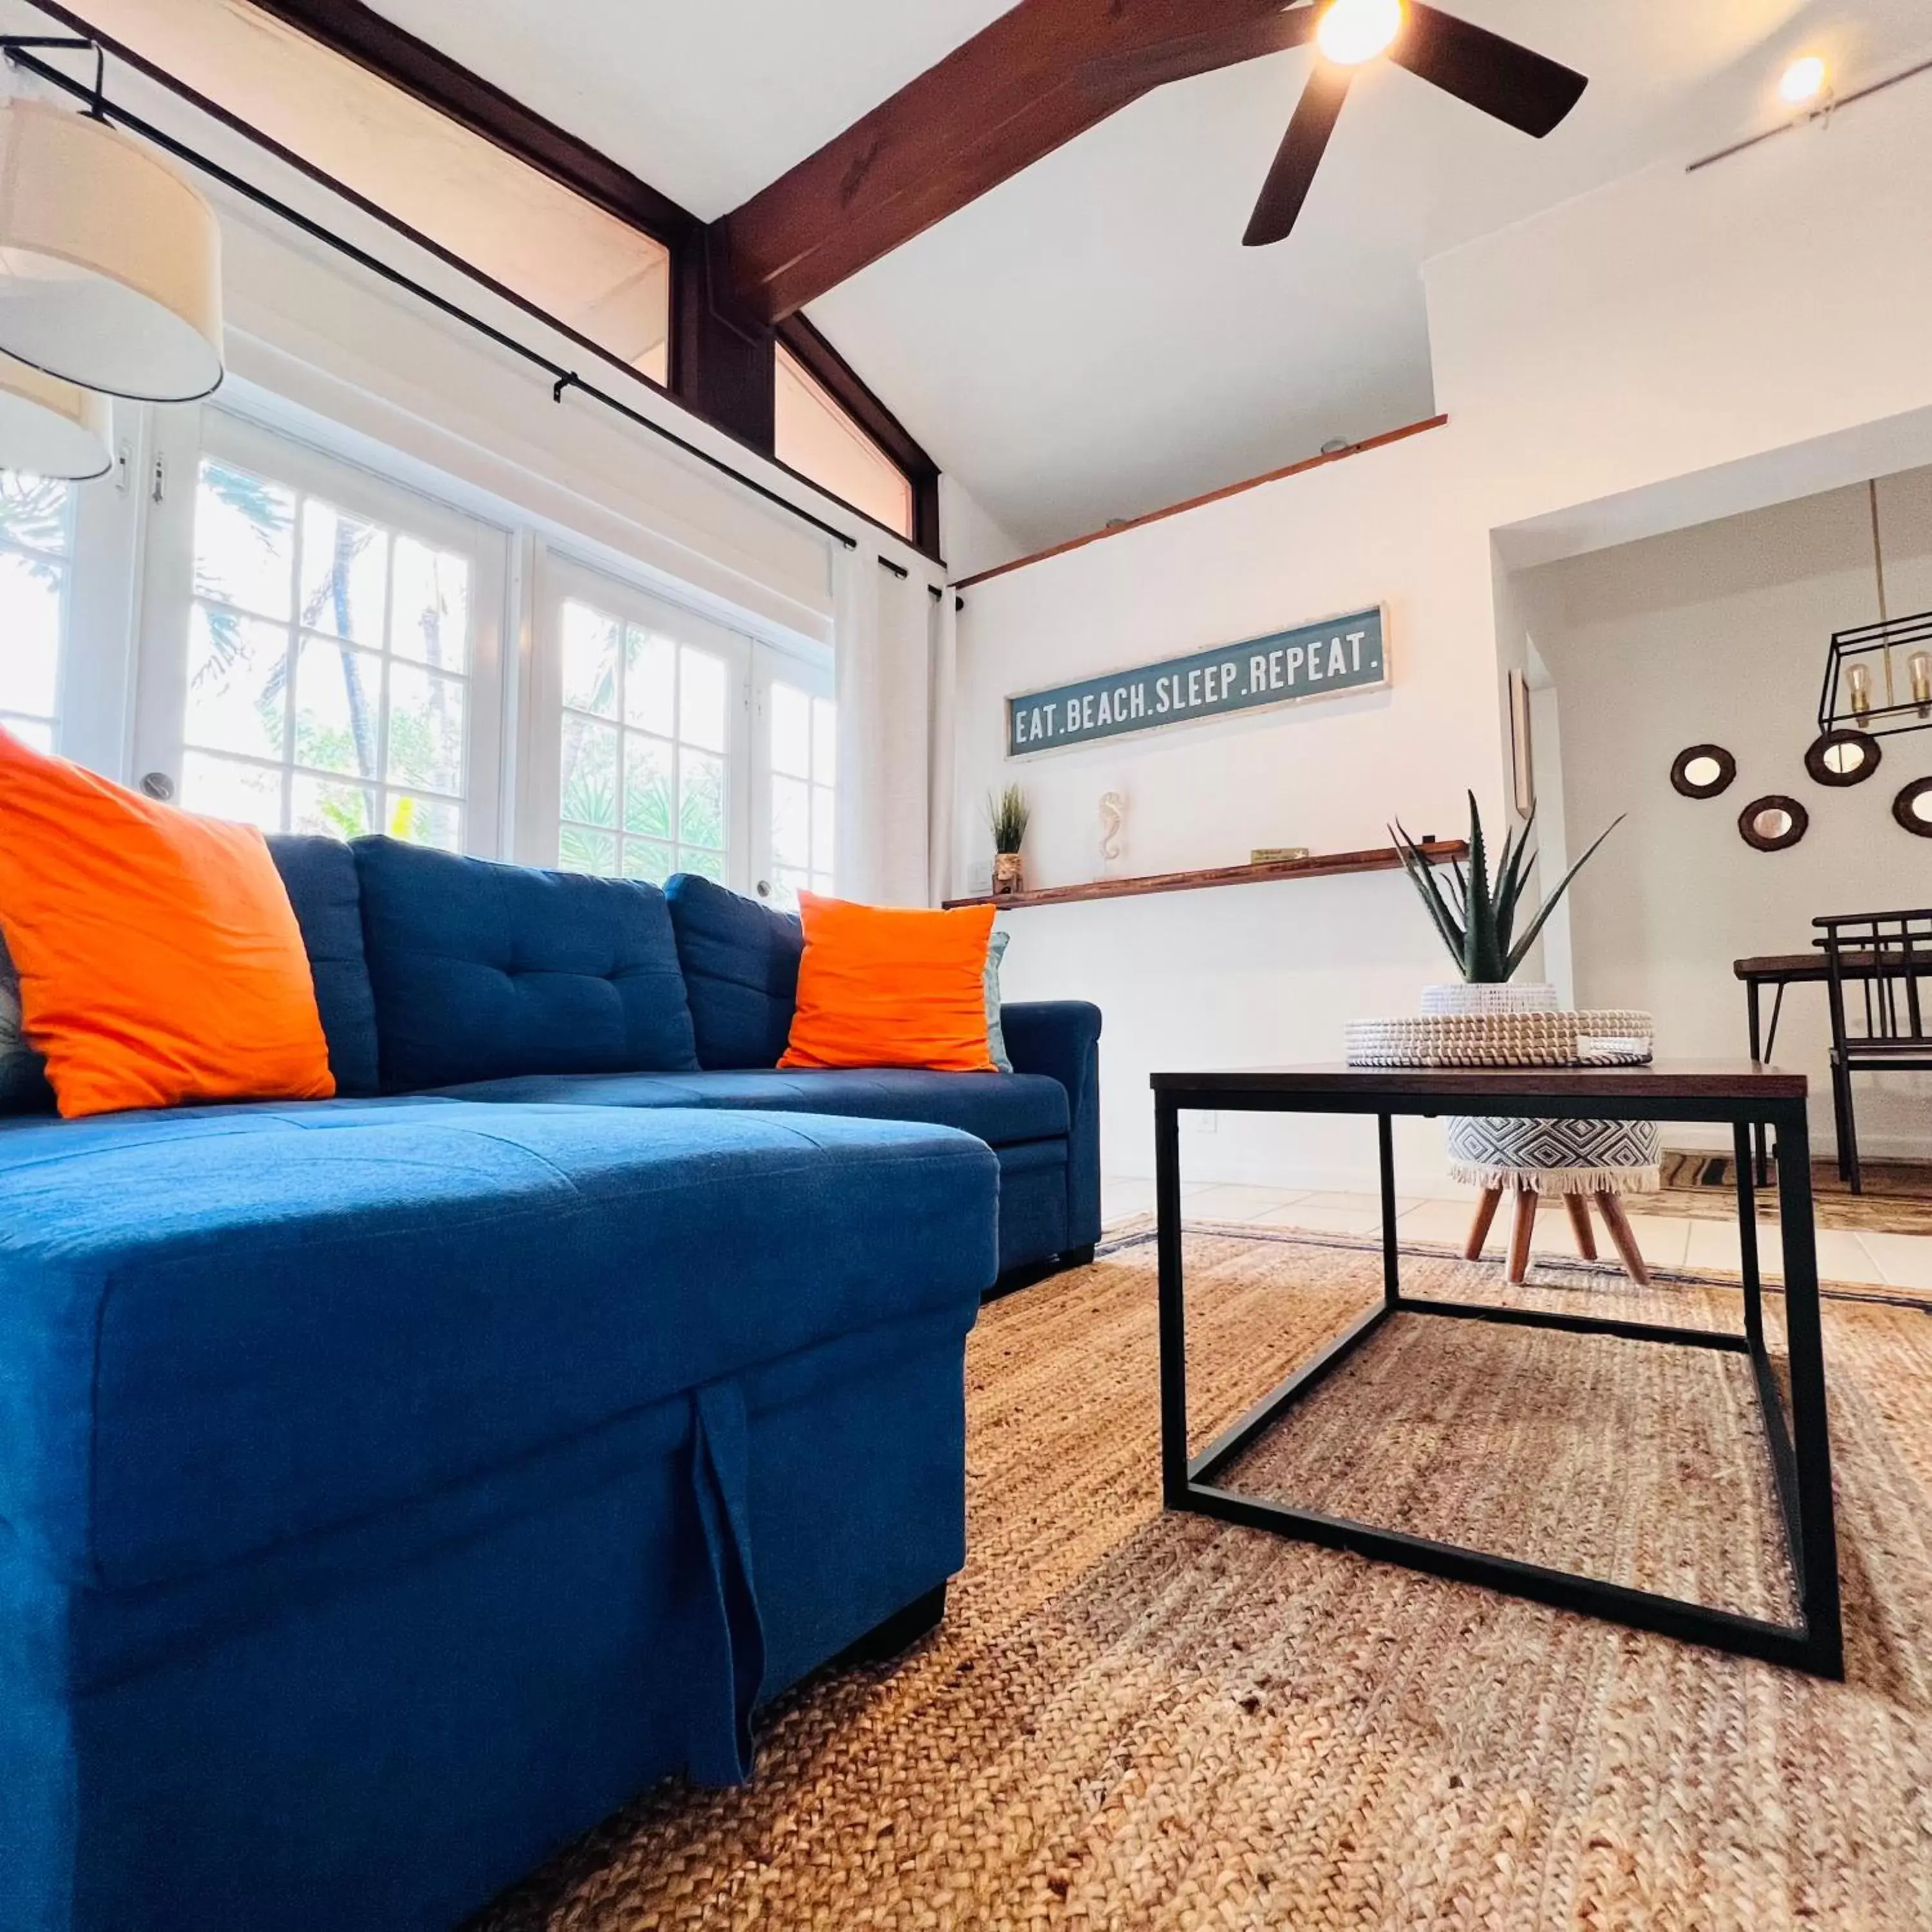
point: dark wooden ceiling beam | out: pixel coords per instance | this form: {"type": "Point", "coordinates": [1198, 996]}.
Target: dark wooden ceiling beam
{"type": "Point", "coordinates": [992, 107]}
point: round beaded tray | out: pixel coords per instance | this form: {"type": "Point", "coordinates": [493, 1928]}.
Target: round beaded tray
{"type": "Point", "coordinates": [1504, 1040]}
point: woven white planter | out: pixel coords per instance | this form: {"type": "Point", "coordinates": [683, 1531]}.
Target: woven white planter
{"type": "Point", "coordinates": [1458, 998]}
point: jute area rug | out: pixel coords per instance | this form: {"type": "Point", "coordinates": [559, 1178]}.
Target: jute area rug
{"type": "Point", "coordinates": [1897, 1200]}
{"type": "Point", "coordinates": [1135, 1720]}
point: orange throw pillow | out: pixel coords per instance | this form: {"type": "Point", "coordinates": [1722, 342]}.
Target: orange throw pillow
{"type": "Point", "coordinates": [159, 957]}
{"type": "Point", "coordinates": [884, 986]}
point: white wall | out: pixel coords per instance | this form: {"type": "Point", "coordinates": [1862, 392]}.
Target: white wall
{"type": "Point", "coordinates": [970, 538]}
{"type": "Point", "coordinates": [1677, 346]}
{"type": "Point", "coordinates": [1717, 633]}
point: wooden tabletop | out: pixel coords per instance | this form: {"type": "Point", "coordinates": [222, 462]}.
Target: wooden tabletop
{"type": "Point", "coordinates": [1805, 966]}
{"type": "Point", "coordinates": [1661, 1080]}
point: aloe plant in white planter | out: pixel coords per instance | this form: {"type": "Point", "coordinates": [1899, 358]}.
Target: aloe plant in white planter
{"type": "Point", "coordinates": [1476, 915]}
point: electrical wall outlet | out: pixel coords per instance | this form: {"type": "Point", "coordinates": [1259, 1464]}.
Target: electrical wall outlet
{"type": "Point", "coordinates": [979, 879]}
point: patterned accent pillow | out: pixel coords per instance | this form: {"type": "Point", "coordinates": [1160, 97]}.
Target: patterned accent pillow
{"type": "Point", "coordinates": [996, 1038]}
{"type": "Point", "coordinates": [23, 1074]}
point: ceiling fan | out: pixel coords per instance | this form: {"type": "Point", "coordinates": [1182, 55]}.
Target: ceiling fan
{"type": "Point", "coordinates": [1525, 89]}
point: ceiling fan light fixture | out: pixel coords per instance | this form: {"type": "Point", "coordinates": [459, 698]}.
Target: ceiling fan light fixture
{"type": "Point", "coordinates": [1804, 80]}
{"type": "Point", "coordinates": [1353, 31]}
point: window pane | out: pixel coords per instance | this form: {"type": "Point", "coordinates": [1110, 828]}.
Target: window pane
{"type": "Point", "coordinates": [790, 717]}
{"type": "Point", "coordinates": [338, 700]}
{"type": "Point", "coordinates": [590, 660]}
{"type": "Point", "coordinates": [424, 821]}
{"type": "Point", "coordinates": [34, 510]}
{"type": "Point", "coordinates": [791, 822]}
{"type": "Point", "coordinates": [30, 633]}
{"type": "Point", "coordinates": [824, 827]}
{"type": "Point", "coordinates": [245, 552]}
{"type": "Point", "coordinates": [644, 859]}
{"type": "Point", "coordinates": [650, 683]}
{"type": "Point", "coordinates": [706, 864]}
{"type": "Point", "coordinates": [701, 682]}
{"type": "Point", "coordinates": [344, 574]}
{"type": "Point", "coordinates": [786, 882]}
{"type": "Point", "coordinates": [578, 850]}
{"type": "Point", "coordinates": [335, 811]}
{"type": "Point", "coordinates": [220, 788]}
{"type": "Point", "coordinates": [701, 806]}
{"type": "Point", "coordinates": [590, 774]}
{"type": "Point", "coordinates": [33, 731]}
{"type": "Point", "coordinates": [584, 266]}
{"type": "Point", "coordinates": [425, 729]}
{"type": "Point", "coordinates": [819, 439]}
{"type": "Point", "coordinates": [430, 621]}
{"type": "Point", "coordinates": [238, 682]}
{"type": "Point", "coordinates": [825, 741]}
{"type": "Point", "coordinates": [647, 787]}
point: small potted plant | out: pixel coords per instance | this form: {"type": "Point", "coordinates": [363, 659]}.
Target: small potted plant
{"type": "Point", "coordinates": [1476, 915]}
{"type": "Point", "coordinates": [1007, 814]}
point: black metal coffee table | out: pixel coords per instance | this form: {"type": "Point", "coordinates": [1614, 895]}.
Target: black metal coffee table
{"type": "Point", "coordinates": [1740, 1096]}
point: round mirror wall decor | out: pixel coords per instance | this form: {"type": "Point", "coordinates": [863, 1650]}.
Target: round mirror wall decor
{"type": "Point", "coordinates": [1703, 771]}
{"type": "Point", "coordinates": [1773, 824]}
{"type": "Point", "coordinates": [1912, 807]}
{"type": "Point", "coordinates": [1842, 758]}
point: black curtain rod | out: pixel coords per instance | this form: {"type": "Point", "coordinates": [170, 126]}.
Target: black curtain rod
{"type": "Point", "coordinates": [562, 378]}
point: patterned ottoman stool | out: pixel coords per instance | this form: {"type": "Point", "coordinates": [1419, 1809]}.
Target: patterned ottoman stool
{"type": "Point", "coordinates": [1582, 1161]}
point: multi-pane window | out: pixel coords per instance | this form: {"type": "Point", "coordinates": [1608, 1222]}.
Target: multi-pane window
{"type": "Point", "coordinates": [329, 667]}
{"type": "Point", "coordinates": [645, 775]}
{"type": "Point", "coordinates": [36, 565]}
{"type": "Point", "coordinates": [804, 772]}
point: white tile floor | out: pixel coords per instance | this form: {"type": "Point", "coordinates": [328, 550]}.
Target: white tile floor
{"type": "Point", "coordinates": [1877, 1260]}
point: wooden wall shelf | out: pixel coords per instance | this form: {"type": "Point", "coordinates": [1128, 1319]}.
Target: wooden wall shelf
{"type": "Point", "coordinates": [1382, 859]}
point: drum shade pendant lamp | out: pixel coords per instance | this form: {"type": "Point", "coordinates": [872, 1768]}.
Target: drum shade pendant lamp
{"type": "Point", "coordinates": [110, 264]}
{"type": "Point", "coordinates": [51, 428]}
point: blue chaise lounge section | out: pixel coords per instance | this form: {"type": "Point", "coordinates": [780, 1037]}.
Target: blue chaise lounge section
{"type": "Point", "coordinates": [392, 1487]}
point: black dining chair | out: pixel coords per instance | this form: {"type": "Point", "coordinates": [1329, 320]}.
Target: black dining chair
{"type": "Point", "coordinates": [1883, 956]}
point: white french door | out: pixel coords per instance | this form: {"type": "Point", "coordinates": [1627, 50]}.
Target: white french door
{"type": "Point", "coordinates": [656, 740]}
{"type": "Point", "coordinates": [637, 734]}
{"type": "Point", "coordinates": [796, 777]}
{"type": "Point", "coordinates": [324, 647]}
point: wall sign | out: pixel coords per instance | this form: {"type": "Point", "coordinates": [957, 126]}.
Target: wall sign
{"type": "Point", "coordinates": [1317, 660]}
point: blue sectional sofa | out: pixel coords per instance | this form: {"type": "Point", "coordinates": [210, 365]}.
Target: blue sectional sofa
{"type": "Point", "coordinates": [391, 1486]}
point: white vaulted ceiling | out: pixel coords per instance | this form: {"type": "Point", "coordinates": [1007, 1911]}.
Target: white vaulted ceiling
{"type": "Point", "coordinates": [1090, 340]}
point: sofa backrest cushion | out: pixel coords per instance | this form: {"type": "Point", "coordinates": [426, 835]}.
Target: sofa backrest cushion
{"type": "Point", "coordinates": [323, 887]}
{"type": "Point", "coordinates": [483, 971]}
{"type": "Point", "coordinates": [740, 962]}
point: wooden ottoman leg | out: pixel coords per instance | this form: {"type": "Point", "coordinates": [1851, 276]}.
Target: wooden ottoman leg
{"type": "Point", "coordinates": [1527, 1202]}
{"type": "Point", "coordinates": [1479, 1229]}
{"type": "Point", "coordinates": [1624, 1236]}
{"type": "Point", "coordinates": [1579, 1225]}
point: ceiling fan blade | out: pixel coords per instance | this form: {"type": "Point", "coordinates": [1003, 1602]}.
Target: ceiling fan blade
{"type": "Point", "coordinates": [1528, 90]}
{"type": "Point", "coordinates": [1302, 147]}
{"type": "Point", "coordinates": [1151, 66]}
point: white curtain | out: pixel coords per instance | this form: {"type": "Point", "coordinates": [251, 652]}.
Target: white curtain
{"type": "Point", "coordinates": [883, 642]}
{"type": "Point", "coordinates": [944, 702]}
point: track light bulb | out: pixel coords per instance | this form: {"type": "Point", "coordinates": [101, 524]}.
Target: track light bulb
{"type": "Point", "coordinates": [1354, 31]}
{"type": "Point", "coordinates": [1803, 81]}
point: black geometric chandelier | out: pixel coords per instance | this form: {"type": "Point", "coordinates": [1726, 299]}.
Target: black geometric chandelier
{"type": "Point", "coordinates": [1878, 677]}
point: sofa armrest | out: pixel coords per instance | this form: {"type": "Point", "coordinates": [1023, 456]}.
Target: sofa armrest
{"type": "Point", "coordinates": [1062, 1038]}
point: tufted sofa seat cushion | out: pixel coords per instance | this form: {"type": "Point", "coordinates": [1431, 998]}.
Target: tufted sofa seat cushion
{"type": "Point", "coordinates": [483, 971]}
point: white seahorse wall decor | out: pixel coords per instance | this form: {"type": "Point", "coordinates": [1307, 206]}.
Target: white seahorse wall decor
{"type": "Point", "coordinates": [1113, 827]}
